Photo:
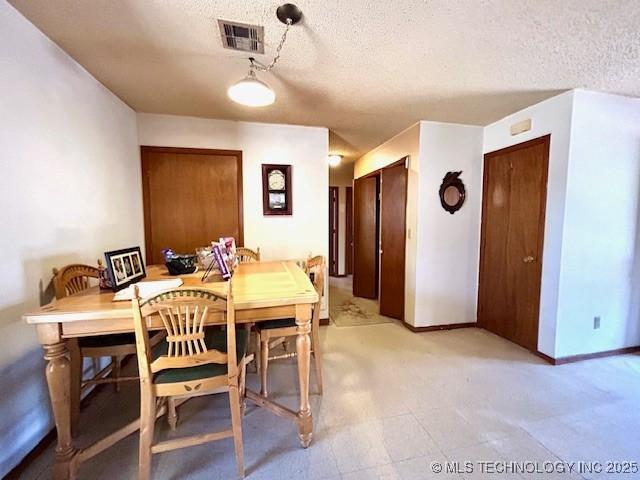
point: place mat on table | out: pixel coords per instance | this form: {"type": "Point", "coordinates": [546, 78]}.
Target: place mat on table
{"type": "Point", "coordinates": [147, 289]}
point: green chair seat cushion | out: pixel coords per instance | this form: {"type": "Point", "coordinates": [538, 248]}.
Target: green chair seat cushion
{"type": "Point", "coordinates": [279, 323]}
{"type": "Point", "coordinates": [215, 339]}
{"type": "Point", "coordinates": [107, 340]}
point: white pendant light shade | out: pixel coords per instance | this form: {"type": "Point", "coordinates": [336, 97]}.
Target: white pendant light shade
{"type": "Point", "coordinates": [251, 92]}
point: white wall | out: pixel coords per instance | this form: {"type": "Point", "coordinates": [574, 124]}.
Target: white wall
{"type": "Point", "coordinates": [403, 144]}
{"type": "Point", "coordinates": [442, 249]}
{"type": "Point", "coordinates": [69, 190]}
{"type": "Point", "coordinates": [600, 271]}
{"type": "Point", "coordinates": [553, 116]}
{"type": "Point", "coordinates": [448, 245]}
{"type": "Point", "coordinates": [305, 148]}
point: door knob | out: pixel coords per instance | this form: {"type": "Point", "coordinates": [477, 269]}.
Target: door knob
{"type": "Point", "coordinates": [528, 259]}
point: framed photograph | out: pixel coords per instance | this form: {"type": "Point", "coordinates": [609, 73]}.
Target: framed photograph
{"type": "Point", "coordinates": [276, 190]}
{"type": "Point", "coordinates": [125, 267]}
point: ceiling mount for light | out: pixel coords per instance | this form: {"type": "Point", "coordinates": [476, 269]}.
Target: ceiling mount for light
{"type": "Point", "coordinates": [251, 91]}
{"type": "Point", "coordinates": [289, 13]}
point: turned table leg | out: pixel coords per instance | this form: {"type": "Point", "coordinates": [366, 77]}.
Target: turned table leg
{"type": "Point", "coordinates": [303, 348]}
{"type": "Point", "coordinates": [58, 373]}
{"type": "Point", "coordinates": [75, 357]}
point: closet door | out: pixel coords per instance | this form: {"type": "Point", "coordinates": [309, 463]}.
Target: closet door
{"type": "Point", "coordinates": [393, 204]}
{"type": "Point", "coordinates": [513, 212]}
{"type": "Point", "coordinates": [191, 197]}
{"type": "Point", "coordinates": [365, 237]}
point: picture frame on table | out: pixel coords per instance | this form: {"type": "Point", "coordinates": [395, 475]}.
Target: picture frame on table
{"type": "Point", "coordinates": [125, 267]}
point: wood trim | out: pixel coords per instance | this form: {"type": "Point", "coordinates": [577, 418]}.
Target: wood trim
{"type": "Point", "coordinates": [334, 242]}
{"type": "Point", "coordinates": [348, 237]}
{"type": "Point", "coordinates": [146, 201]}
{"type": "Point", "coordinates": [544, 140]}
{"type": "Point", "coordinates": [545, 357]}
{"type": "Point", "coordinates": [519, 146]}
{"type": "Point", "coordinates": [588, 356]}
{"type": "Point", "coordinates": [324, 322]}
{"type": "Point", "coordinates": [378, 171]}
{"type": "Point", "coordinates": [435, 328]}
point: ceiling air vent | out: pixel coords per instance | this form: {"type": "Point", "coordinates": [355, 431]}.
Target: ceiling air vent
{"type": "Point", "coordinates": [241, 36]}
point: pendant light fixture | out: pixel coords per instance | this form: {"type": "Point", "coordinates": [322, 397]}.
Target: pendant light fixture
{"type": "Point", "coordinates": [335, 160]}
{"type": "Point", "coordinates": [251, 91]}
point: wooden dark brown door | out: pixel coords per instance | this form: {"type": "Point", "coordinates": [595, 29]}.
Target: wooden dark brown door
{"type": "Point", "coordinates": [393, 204]}
{"type": "Point", "coordinates": [348, 234]}
{"type": "Point", "coordinates": [365, 237]}
{"type": "Point", "coordinates": [513, 211]}
{"type": "Point", "coordinates": [191, 197]}
{"type": "Point", "coordinates": [334, 218]}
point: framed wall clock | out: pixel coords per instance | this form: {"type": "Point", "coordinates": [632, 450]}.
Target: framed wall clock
{"type": "Point", "coordinates": [276, 190]}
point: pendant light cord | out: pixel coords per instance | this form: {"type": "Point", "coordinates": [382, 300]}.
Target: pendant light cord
{"type": "Point", "coordinates": [255, 65]}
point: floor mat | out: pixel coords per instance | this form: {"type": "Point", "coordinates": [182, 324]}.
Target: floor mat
{"type": "Point", "coordinates": [348, 311]}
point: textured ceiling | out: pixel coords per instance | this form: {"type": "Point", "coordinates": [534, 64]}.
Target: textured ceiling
{"type": "Point", "coordinates": [364, 68]}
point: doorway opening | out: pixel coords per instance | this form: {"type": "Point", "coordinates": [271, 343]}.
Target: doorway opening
{"type": "Point", "coordinates": [375, 293]}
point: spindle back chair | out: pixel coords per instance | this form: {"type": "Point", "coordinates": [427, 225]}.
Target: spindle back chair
{"type": "Point", "coordinates": [71, 280]}
{"type": "Point", "coordinates": [248, 255]}
{"type": "Point", "coordinates": [192, 360]}
{"type": "Point", "coordinates": [315, 267]}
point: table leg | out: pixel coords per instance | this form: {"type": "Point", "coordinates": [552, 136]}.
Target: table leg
{"type": "Point", "coordinates": [76, 381]}
{"type": "Point", "coordinates": [58, 373]}
{"type": "Point", "coordinates": [303, 348]}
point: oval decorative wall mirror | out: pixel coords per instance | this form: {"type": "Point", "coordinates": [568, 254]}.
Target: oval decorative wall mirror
{"type": "Point", "coordinates": [452, 192]}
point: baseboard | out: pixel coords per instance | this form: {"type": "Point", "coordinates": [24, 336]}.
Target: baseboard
{"type": "Point", "coordinates": [325, 321]}
{"type": "Point", "coordinates": [588, 356]}
{"type": "Point", "coordinates": [544, 357]}
{"type": "Point", "coordinates": [434, 328]}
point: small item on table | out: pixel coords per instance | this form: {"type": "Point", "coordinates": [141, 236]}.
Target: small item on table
{"type": "Point", "coordinates": [103, 277]}
{"type": "Point", "coordinates": [179, 264]}
{"type": "Point", "coordinates": [220, 257]}
{"type": "Point", "coordinates": [125, 266]}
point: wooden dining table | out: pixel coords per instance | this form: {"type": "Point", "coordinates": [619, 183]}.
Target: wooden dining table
{"type": "Point", "coordinates": [261, 290]}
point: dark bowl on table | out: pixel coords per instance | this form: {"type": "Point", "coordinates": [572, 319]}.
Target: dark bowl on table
{"type": "Point", "coordinates": [182, 264]}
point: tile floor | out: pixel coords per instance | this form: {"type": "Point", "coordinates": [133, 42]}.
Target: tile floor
{"type": "Point", "coordinates": [395, 402]}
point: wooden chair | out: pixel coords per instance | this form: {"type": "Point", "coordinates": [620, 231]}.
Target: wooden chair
{"type": "Point", "coordinates": [73, 279]}
{"type": "Point", "coordinates": [281, 329]}
{"type": "Point", "coordinates": [247, 255]}
{"type": "Point", "coordinates": [191, 361]}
